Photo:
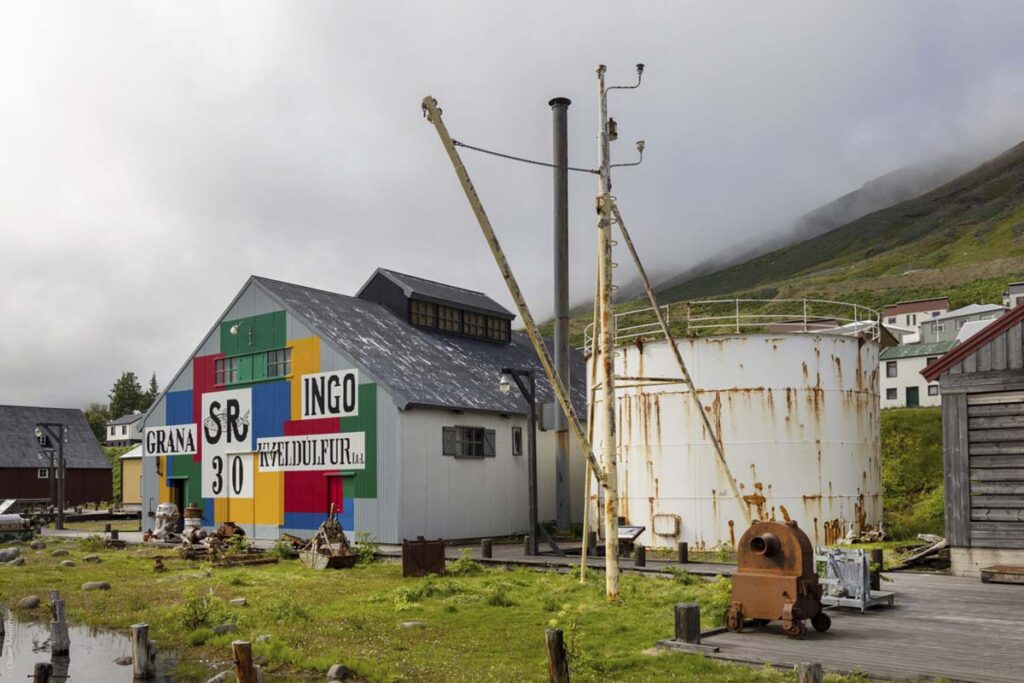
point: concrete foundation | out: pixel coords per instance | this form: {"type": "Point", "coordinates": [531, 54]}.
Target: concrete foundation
{"type": "Point", "coordinates": [970, 561]}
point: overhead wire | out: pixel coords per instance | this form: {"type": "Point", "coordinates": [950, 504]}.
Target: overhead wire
{"type": "Point", "coordinates": [457, 143]}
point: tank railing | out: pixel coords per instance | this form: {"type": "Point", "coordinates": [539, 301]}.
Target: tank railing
{"type": "Point", "coordinates": [736, 316]}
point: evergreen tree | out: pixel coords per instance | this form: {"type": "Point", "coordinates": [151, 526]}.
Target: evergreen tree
{"type": "Point", "coordinates": [126, 396]}
{"type": "Point", "coordinates": [151, 393]}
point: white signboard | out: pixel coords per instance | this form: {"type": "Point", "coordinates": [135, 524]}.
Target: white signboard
{"type": "Point", "coordinates": [169, 440]}
{"type": "Point", "coordinates": [231, 476]}
{"type": "Point", "coordinates": [312, 453]}
{"type": "Point", "coordinates": [226, 431]}
{"type": "Point", "coordinates": [330, 394]}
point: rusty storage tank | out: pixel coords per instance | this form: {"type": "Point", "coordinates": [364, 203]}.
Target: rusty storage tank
{"type": "Point", "coordinates": [792, 388]}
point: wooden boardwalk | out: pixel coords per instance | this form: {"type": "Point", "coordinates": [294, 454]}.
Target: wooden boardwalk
{"type": "Point", "coordinates": [954, 628]}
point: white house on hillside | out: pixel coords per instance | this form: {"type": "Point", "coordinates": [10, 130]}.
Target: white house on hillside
{"type": "Point", "coordinates": [910, 315]}
{"type": "Point", "coordinates": [902, 385]}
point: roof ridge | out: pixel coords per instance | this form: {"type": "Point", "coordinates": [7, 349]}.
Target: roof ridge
{"type": "Point", "coordinates": [312, 289]}
{"type": "Point", "coordinates": [435, 282]}
{"type": "Point", "coordinates": [969, 346]}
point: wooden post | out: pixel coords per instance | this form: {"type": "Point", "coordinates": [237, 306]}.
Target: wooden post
{"type": "Point", "coordinates": [106, 527]}
{"type": "Point", "coordinates": [639, 556]}
{"type": "Point", "coordinates": [526, 545]}
{"type": "Point", "coordinates": [113, 534]}
{"type": "Point", "coordinates": [42, 672]}
{"type": "Point", "coordinates": [245, 670]}
{"type": "Point", "coordinates": [592, 542]}
{"type": "Point", "coordinates": [485, 548]}
{"type": "Point", "coordinates": [684, 552]}
{"type": "Point", "coordinates": [60, 642]}
{"type": "Point", "coordinates": [876, 558]}
{"type": "Point", "coordinates": [143, 654]}
{"type": "Point", "coordinates": [688, 622]}
{"type": "Point", "coordinates": [558, 659]}
{"type": "Point", "coordinates": [809, 673]}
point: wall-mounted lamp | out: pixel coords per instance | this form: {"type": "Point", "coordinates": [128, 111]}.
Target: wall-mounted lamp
{"type": "Point", "coordinates": [238, 326]}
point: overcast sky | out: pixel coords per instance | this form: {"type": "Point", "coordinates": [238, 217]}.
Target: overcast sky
{"type": "Point", "coordinates": [153, 155]}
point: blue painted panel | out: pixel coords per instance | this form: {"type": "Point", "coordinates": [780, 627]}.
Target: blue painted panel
{"type": "Point", "coordinates": [271, 407]}
{"type": "Point", "coordinates": [179, 407]}
{"type": "Point", "coordinates": [208, 510]}
{"type": "Point", "coordinates": [313, 520]}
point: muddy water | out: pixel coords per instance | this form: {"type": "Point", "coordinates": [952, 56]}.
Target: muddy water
{"type": "Point", "coordinates": [91, 659]}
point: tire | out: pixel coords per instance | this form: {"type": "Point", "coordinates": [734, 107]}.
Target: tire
{"type": "Point", "coordinates": [796, 629]}
{"type": "Point", "coordinates": [734, 621]}
{"type": "Point", "coordinates": [821, 622]}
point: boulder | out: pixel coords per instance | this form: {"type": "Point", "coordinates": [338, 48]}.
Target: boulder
{"type": "Point", "coordinates": [123, 661]}
{"type": "Point", "coordinates": [91, 558]}
{"type": "Point", "coordinates": [413, 624]}
{"type": "Point", "coordinates": [95, 586]}
{"type": "Point", "coordinates": [16, 562]}
{"type": "Point", "coordinates": [38, 544]}
{"type": "Point", "coordinates": [8, 554]}
{"type": "Point", "coordinates": [239, 602]}
{"type": "Point", "coordinates": [29, 602]}
{"type": "Point", "coordinates": [225, 628]}
{"type": "Point", "coordinates": [59, 552]}
{"type": "Point", "coordinates": [67, 563]}
{"type": "Point", "coordinates": [339, 672]}
{"type": "Point", "coordinates": [262, 638]}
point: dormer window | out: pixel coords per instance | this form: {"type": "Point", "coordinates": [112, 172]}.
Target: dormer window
{"type": "Point", "coordinates": [498, 329]}
{"type": "Point", "coordinates": [449, 319]}
{"type": "Point", "coordinates": [424, 314]}
{"type": "Point", "coordinates": [473, 324]}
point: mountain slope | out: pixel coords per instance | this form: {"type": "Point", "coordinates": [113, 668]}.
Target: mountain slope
{"type": "Point", "coordinates": [964, 238]}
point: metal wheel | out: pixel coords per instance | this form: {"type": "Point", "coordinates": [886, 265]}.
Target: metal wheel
{"type": "Point", "coordinates": [734, 621]}
{"type": "Point", "coordinates": [821, 622]}
{"type": "Point", "coordinates": [795, 629]}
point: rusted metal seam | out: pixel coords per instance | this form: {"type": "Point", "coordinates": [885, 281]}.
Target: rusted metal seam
{"type": "Point", "coordinates": [714, 436]}
{"type": "Point", "coordinates": [433, 115]}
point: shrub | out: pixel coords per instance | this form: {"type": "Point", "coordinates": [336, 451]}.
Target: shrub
{"type": "Point", "coordinates": [682, 576]}
{"type": "Point", "coordinates": [366, 547]}
{"type": "Point", "coordinates": [465, 565]}
{"type": "Point", "coordinates": [281, 549]}
{"type": "Point", "coordinates": [238, 545]}
{"type": "Point", "coordinates": [199, 636]}
{"type": "Point", "coordinates": [197, 610]}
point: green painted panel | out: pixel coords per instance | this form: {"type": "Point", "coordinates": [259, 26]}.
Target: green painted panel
{"type": "Point", "coordinates": [183, 466]}
{"type": "Point", "coordinates": [259, 366]}
{"type": "Point", "coordinates": [245, 369]}
{"type": "Point", "coordinates": [364, 482]}
{"type": "Point", "coordinates": [265, 331]}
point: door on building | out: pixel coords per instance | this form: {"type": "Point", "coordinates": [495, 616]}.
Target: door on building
{"type": "Point", "coordinates": [336, 493]}
{"type": "Point", "coordinates": [176, 489]}
{"type": "Point", "coordinates": [913, 398]}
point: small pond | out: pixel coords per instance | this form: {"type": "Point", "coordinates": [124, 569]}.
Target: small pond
{"type": "Point", "coordinates": [91, 659]}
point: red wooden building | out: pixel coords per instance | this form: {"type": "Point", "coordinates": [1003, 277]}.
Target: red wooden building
{"type": "Point", "coordinates": [25, 460]}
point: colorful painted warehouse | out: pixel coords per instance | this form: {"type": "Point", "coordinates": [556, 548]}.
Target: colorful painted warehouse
{"type": "Point", "coordinates": [386, 404]}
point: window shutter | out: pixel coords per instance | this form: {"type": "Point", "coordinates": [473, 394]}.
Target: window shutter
{"type": "Point", "coordinates": [448, 440]}
{"type": "Point", "coordinates": [488, 443]}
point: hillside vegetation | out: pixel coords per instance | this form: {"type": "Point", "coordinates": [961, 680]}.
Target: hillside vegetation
{"type": "Point", "coordinates": [912, 486]}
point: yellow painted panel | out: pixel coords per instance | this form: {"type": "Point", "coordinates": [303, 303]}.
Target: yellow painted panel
{"type": "Point", "coordinates": [220, 511]}
{"type": "Point", "coordinates": [240, 510]}
{"type": "Point", "coordinates": [305, 361]}
{"type": "Point", "coordinates": [165, 493]}
{"type": "Point", "coordinates": [268, 488]}
{"type": "Point", "coordinates": [131, 481]}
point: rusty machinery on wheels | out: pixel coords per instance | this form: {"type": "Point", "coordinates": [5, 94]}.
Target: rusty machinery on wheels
{"type": "Point", "coordinates": [775, 580]}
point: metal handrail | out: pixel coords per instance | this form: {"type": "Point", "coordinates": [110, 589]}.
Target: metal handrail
{"type": "Point", "coordinates": [803, 315]}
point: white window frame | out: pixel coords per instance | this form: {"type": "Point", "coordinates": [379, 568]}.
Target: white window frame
{"type": "Point", "coordinates": [895, 368]}
{"type": "Point", "coordinates": [43, 473]}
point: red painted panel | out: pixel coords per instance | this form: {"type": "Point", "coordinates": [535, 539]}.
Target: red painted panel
{"type": "Point", "coordinates": [336, 494]}
{"type": "Point", "coordinates": [203, 375]}
{"type": "Point", "coordinates": [305, 491]}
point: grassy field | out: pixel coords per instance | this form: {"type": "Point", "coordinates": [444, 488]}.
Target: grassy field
{"type": "Point", "coordinates": [912, 486]}
{"type": "Point", "coordinates": [477, 625]}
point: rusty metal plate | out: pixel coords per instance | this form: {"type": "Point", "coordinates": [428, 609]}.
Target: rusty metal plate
{"type": "Point", "coordinates": [422, 557]}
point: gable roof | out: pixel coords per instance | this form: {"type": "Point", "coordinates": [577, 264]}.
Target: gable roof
{"type": "Point", "coordinates": [19, 447]}
{"type": "Point", "coordinates": [916, 306]}
{"type": "Point", "coordinates": [1001, 325]}
{"type": "Point", "coordinates": [127, 419]}
{"type": "Point", "coordinates": [421, 367]}
{"type": "Point", "coordinates": [970, 309]}
{"type": "Point", "coordinates": [916, 350]}
{"type": "Point", "coordinates": [440, 293]}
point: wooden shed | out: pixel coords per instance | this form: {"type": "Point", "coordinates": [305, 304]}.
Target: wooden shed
{"type": "Point", "coordinates": [982, 387]}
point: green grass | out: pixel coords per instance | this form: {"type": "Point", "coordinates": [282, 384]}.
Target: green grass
{"type": "Point", "coordinates": [912, 484]}
{"type": "Point", "coordinates": [114, 454]}
{"type": "Point", "coordinates": [483, 625]}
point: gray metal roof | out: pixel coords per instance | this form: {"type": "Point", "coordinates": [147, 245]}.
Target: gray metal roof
{"type": "Point", "coordinates": [438, 292]}
{"type": "Point", "coordinates": [421, 366]}
{"type": "Point", "coordinates": [970, 309]}
{"type": "Point", "coordinates": [127, 419]}
{"type": "Point", "coordinates": [19, 448]}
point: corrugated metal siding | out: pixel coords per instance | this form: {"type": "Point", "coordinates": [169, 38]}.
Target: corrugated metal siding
{"type": "Point", "coordinates": [381, 516]}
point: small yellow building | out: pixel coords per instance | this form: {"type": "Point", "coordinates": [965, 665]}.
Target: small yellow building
{"type": "Point", "coordinates": [131, 479]}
